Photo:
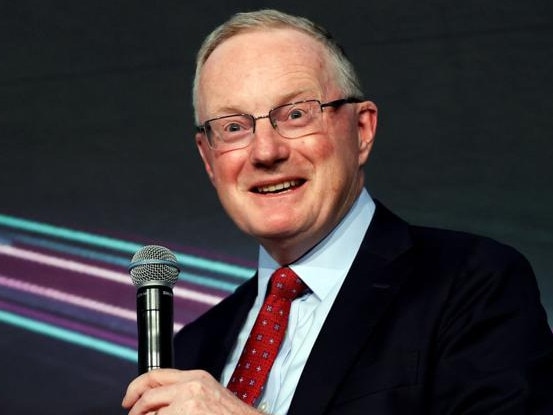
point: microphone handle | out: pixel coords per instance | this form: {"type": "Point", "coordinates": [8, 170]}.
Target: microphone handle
{"type": "Point", "coordinates": [154, 306]}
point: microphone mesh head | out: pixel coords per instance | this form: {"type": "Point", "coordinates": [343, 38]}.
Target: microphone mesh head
{"type": "Point", "coordinates": [154, 265]}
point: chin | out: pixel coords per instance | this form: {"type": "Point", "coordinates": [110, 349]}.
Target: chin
{"type": "Point", "coordinates": [272, 231]}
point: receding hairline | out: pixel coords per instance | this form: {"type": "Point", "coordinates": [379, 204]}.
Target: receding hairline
{"type": "Point", "coordinates": [318, 54]}
{"type": "Point", "coordinates": [265, 20]}
{"type": "Point", "coordinates": [260, 20]}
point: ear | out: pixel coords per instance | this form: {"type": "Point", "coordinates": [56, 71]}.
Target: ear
{"type": "Point", "coordinates": [367, 117]}
{"type": "Point", "coordinates": [205, 154]}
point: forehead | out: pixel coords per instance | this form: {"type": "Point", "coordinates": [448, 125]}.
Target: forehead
{"type": "Point", "coordinates": [262, 68]}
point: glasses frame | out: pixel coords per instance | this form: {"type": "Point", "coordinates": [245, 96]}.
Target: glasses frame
{"type": "Point", "coordinates": [337, 103]}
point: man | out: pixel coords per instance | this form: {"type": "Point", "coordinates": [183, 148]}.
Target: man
{"type": "Point", "coordinates": [390, 318]}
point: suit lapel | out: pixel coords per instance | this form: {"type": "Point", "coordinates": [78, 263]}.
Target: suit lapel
{"type": "Point", "coordinates": [369, 288]}
{"type": "Point", "coordinates": [231, 317]}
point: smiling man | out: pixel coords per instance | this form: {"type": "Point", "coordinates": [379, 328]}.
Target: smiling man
{"type": "Point", "coordinates": [286, 192]}
{"type": "Point", "coordinates": [352, 310]}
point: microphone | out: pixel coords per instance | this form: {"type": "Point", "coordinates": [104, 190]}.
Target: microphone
{"type": "Point", "coordinates": [154, 271]}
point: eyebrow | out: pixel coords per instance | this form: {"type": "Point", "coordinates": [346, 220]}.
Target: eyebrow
{"type": "Point", "coordinates": [227, 110]}
{"type": "Point", "coordinates": [297, 96]}
{"type": "Point", "coordinates": [282, 100]}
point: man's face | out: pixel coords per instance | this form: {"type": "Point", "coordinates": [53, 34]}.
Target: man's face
{"type": "Point", "coordinates": [286, 193]}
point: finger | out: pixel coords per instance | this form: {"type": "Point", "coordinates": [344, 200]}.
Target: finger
{"type": "Point", "coordinates": [147, 381]}
{"type": "Point", "coordinates": [154, 400]}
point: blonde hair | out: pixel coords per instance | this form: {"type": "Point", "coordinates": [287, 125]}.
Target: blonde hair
{"type": "Point", "coordinates": [346, 77]}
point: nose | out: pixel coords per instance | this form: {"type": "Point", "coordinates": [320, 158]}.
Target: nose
{"type": "Point", "coordinates": [268, 146]}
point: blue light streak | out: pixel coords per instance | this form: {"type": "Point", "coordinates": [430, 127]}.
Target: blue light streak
{"type": "Point", "coordinates": [68, 336]}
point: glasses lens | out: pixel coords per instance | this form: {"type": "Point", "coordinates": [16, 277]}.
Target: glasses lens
{"type": "Point", "coordinates": [298, 119]}
{"type": "Point", "coordinates": [233, 131]}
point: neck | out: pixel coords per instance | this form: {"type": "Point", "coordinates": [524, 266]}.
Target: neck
{"type": "Point", "coordinates": [287, 250]}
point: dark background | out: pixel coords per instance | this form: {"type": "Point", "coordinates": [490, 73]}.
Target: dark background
{"type": "Point", "coordinates": [96, 133]}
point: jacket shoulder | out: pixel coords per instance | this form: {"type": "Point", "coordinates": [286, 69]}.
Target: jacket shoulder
{"type": "Point", "coordinates": [205, 342]}
{"type": "Point", "coordinates": [466, 250]}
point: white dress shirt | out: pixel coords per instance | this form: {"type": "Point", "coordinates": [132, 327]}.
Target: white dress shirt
{"type": "Point", "coordinates": [323, 270]}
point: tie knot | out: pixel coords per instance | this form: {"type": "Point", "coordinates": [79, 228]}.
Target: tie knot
{"type": "Point", "coordinates": [286, 284]}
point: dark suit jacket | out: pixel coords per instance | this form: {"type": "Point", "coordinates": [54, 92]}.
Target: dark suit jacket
{"type": "Point", "coordinates": [427, 322]}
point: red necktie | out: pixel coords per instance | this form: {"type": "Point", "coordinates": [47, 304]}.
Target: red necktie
{"type": "Point", "coordinates": [267, 333]}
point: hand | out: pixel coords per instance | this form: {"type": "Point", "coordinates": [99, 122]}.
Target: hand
{"type": "Point", "coordinates": [171, 391]}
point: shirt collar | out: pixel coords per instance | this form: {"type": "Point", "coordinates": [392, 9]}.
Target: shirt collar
{"type": "Point", "coordinates": [328, 263]}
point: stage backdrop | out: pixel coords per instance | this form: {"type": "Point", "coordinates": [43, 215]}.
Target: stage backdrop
{"type": "Point", "coordinates": [97, 159]}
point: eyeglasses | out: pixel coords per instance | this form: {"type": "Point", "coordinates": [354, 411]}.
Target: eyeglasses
{"type": "Point", "coordinates": [295, 120]}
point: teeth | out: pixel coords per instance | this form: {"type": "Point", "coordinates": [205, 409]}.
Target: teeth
{"type": "Point", "coordinates": [278, 187]}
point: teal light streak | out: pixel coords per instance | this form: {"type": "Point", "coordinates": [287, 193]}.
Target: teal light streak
{"type": "Point", "coordinates": [69, 336]}
{"type": "Point", "coordinates": [71, 249]}
{"type": "Point", "coordinates": [119, 261]}
{"type": "Point", "coordinates": [123, 246]}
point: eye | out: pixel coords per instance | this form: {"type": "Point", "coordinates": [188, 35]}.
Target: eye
{"type": "Point", "coordinates": [233, 127]}
{"type": "Point", "coordinates": [296, 113]}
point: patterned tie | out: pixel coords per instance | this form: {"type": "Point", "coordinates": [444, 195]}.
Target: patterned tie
{"type": "Point", "coordinates": [267, 333]}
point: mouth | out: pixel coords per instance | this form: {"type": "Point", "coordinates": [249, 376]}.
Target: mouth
{"type": "Point", "coordinates": [278, 187]}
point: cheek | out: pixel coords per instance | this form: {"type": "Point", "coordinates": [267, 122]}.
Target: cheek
{"type": "Point", "coordinates": [334, 154]}
{"type": "Point", "coordinates": [317, 149]}
{"type": "Point", "coordinates": [226, 168]}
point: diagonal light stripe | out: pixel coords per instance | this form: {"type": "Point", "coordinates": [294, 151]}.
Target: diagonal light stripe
{"type": "Point", "coordinates": [72, 299]}
{"type": "Point", "coordinates": [119, 245]}
{"type": "Point", "coordinates": [116, 260]}
{"type": "Point", "coordinates": [68, 336]}
{"type": "Point", "coordinates": [98, 272]}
